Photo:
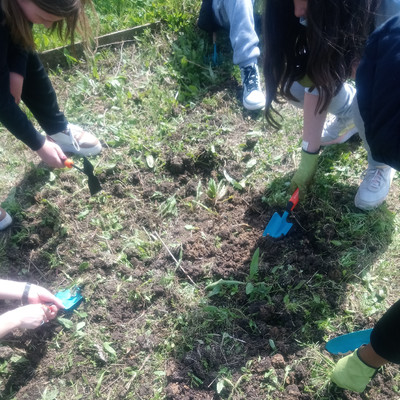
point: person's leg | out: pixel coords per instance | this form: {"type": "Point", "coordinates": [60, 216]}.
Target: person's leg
{"type": "Point", "coordinates": [340, 126]}
{"type": "Point", "coordinates": [238, 17]}
{"type": "Point", "coordinates": [39, 96]}
{"type": "Point", "coordinates": [378, 177]}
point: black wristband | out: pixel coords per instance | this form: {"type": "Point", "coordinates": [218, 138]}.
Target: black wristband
{"type": "Point", "coordinates": [309, 152]}
{"type": "Point", "coordinates": [24, 298]}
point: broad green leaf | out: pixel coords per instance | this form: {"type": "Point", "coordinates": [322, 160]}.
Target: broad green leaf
{"type": "Point", "coordinates": [249, 288]}
{"type": "Point", "coordinates": [254, 264]}
{"type": "Point", "coordinates": [109, 349]}
{"type": "Point", "coordinates": [80, 325]}
{"type": "Point", "coordinates": [66, 323]}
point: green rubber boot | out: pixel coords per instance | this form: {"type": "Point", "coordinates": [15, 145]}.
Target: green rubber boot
{"type": "Point", "coordinates": [353, 374]}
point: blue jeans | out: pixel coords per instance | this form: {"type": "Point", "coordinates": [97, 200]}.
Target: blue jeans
{"type": "Point", "coordinates": [237, 16]}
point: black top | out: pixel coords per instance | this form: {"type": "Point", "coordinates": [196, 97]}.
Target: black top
{"type": "Point", "coordinates": [14, 59]}
{"type": "Point", "coordinates": [378, 92]}
{"type": "Point", "coordinates": [207, 20]}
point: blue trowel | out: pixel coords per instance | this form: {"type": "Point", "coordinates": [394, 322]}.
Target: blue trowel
{"type": "Point", "coordinates": [348, 342]}
{"type": "Point", "coordinates": [278, 226]}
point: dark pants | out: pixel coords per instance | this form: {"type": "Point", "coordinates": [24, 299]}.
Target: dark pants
{"type": "Point", "coordinates": [39, 96]}
{"type": "Point", "coordinates": [385, 337]}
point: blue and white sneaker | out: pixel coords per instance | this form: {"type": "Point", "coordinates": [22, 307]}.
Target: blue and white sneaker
{"type": "Point", "coordinates": [253, 97]}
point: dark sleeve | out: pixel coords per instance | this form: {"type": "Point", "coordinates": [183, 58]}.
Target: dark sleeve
{"type": "Point", "coordinates": [207, 20]}
{"type": "Point", "coordinates": [11, 116]}
{"type": "Point", "coordinates": [378, 92]}
{"type": "Point", "coordinates": [386, 333]}
{"type": "Point", "coordinates": [17, 59]}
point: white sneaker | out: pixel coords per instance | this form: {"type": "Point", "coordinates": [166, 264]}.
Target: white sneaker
{"type": "Point", "coordinates": [75, 140]}
{"type": "Point", "coordinates": [337, 130]}
{"type": "Point", "coordinates": [253, 97]}
{"type": "Point", "coordinates": [5, 219]}
{"type": "Point", "coordinates": [374, 188]}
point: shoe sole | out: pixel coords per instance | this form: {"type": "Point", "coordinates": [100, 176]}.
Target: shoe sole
{"type": "Point", "coordinates": [362, 205]}
{"type": "Point", "coordinates": [92, 151]}
{"type": "Point", "coordinates": [6, 222]}
{"type": "Point", "coordinates": [341, 139]}
{"type": "Point", "coordinates": [253, 107]}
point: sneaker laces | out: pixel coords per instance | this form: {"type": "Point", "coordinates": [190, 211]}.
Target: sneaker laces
{"type": "Point", "coordinates": [250, 79]}
{"type": "Point", "coordinates": [374, 177]}
{"type": "Point", "coordinates": [75, 143]}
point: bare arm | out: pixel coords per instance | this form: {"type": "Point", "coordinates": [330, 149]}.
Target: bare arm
{"type": "Point", "coordinates": [27, 317]}
{"type": "Point", "coordinates": [11, 289]}
{"type": "Point", "coordinates": [36, 295]}
{"type": "Point", "coordinates": [313, 123]}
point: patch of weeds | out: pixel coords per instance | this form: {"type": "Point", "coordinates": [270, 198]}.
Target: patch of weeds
{"type": "Point", "coordinates": [20, 237]}
{"type": "Point", "coordinates": [109, 225]}
{"type": "Point", "coordinates": [226, 385]}
{"type": "Point", "coordinates": [169, 207]}
{"type": "Point", "coordinates": [254, 289]}
{"type": "Point", "coordinates": [216, 191]}
{"type": "Point", "coordinates": [140, 246]}
{"type": "Point", "coordinates": [321, 366]}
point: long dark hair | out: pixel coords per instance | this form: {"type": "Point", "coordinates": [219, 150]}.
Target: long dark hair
{"type": "Point", "coordinates": [72, 12]}
{"type": "Point", "coordinates": [326, 50]}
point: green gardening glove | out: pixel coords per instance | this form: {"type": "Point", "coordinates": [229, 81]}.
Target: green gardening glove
{"type": "Point", "coordinates": [304, 174]}
{"type": "Point", "coordinates": [353, 374]}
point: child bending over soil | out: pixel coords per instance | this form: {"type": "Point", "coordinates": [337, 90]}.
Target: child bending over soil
{"type": "Point", "coordinates": [23, 77]}
{"type": "Point", "coordinates": [311, 49]}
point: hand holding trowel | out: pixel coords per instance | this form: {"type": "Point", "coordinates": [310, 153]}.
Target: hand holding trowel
{"type": "Point", "coordinates": [278, 225]}
{"type": "Point", "coordinates": [93, 182]}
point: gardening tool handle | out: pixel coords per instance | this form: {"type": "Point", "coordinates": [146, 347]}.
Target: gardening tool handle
{"type": "Point", "coordinates": [68, 163]}
{"type": "Point", "coordinates": [293, 200]}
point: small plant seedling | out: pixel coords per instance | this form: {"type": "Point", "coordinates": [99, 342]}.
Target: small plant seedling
{"type": "Point", "coordinates": [216, 191]}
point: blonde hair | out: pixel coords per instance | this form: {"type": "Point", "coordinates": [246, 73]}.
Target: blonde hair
{"type": "Point", "coordinates": [72, 12]}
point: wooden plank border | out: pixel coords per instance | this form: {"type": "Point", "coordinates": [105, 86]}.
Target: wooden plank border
{"type": "Point", "coordinates": [55, 57]}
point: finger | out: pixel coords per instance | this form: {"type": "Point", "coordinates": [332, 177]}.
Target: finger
{"type": "Point", "coordinates": [46, 309]}
{"type": "Point", "coordinates": [53, 312]}
{"type": "Point", "coordinates": [60, 154]}
{"type": "Point", "coordinates": [47, 297]}
{"type": "Point", "coordinates": [58, 303]}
